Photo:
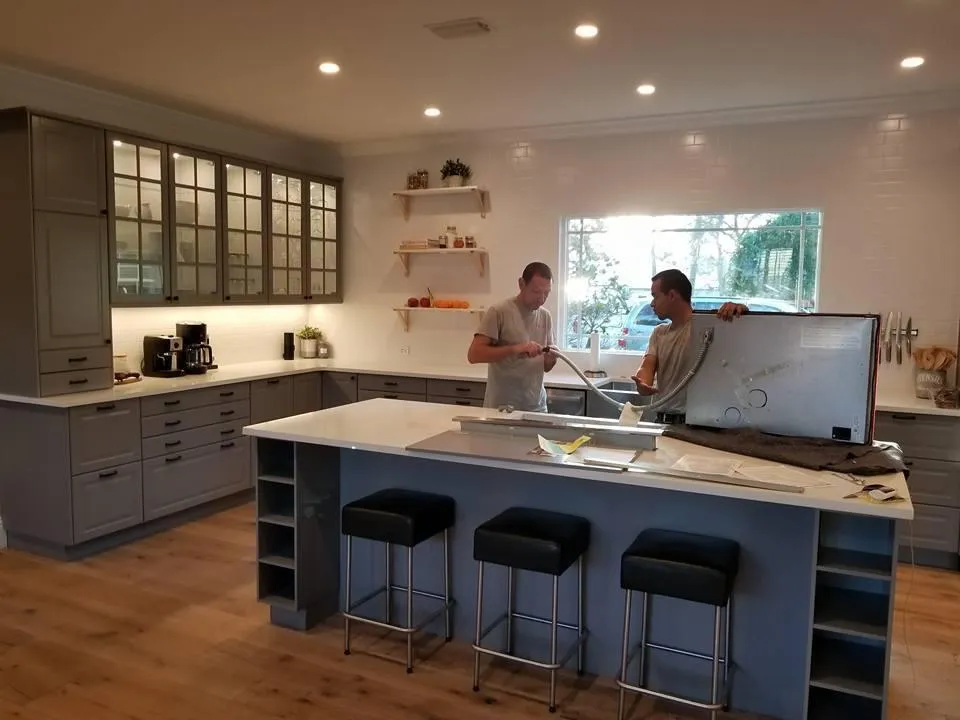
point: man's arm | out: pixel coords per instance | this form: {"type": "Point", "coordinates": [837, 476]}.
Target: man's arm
{"type": "Point", "coordinates": [549, 359]}
{"type": "Point", "coordinates": [648, 368]}
{"type": "Point", "coordinates": [482, 350]}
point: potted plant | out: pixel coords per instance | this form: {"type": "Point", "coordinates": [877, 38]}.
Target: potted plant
{"type": "Point", "coordinates": [309, 336]}
{"type": "Point", "coordinates": [455, 173]}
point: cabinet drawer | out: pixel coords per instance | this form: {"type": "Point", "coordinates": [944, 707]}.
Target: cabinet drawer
{"type": "Point", "coordinates": [176, 442]}
{"type": "Point", "coordinates": [921, 436]}
{"type": "Point", "coordinates": [271, 399]}
{"type": "Point", "coordinates": [64, 383]}
{"type": "Point", "coordinates": [104, 435]}
{"type": "Point", "coordinates": [393, 384]}
{"type": "Point", "coordinates": [198, 417]}
{"type": "Point", "coordinates": [933, 482]}
{"type": "Point", "coordinates": [371, 394]}
{"type": "Point", "coordinates": [189, 399]}
{"type": "Point", "coordinates": [338, 389]}
{"type": "Point", "coordinates": [465, 402]}
{"type": "Point", "coordinates": [106, 501]}
{"type": "Point", "coordinates": [932, 528]}
{"type": "Point", "coordinates": [456, 389]}
{"type": "Point", "coordinates": [52, 361]}
{"type": "Point", "coordinates": [306, 393]}
{"type": "Point", "coordinates": [183, 480]}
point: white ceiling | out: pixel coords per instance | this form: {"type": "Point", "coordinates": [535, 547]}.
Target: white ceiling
{"type": "Point", "coordinates": [256, 60]}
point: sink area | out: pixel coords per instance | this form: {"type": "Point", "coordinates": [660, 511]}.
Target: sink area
{"type": "Point", "coordinates": [621, 391]}
{"type": "Point", "coordinates": [627, 385]}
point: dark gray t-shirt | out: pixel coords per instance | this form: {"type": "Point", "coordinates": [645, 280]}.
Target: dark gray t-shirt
{"type": "Point", "coordinates": [516, 381]}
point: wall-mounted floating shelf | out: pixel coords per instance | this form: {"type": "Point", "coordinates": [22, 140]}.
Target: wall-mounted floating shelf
{"type": "Point", "coordinates": [404, 313]}
{"type": "Point", "coordinates": [406, 255]}
{"type": "Point", "coordinates": [406, 197]}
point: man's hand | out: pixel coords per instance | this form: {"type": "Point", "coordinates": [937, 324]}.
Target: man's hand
{"type": "Point", "coordinates": [530, 349]}
{"type": "Point", "coordinates": [730, 310]}
{"type": "Point", "coordinates": [642, 387]}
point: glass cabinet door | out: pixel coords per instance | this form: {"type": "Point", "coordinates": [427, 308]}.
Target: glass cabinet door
{"type": "Point", "coordinates": [286, 235]}
{"type": "Point", "coordinates": [195, 270]}
{"type": "Point", "coordinates": [138, 233]}
{"type": "Point", "coordinates": [324, 245]}
{"type": "Point", "coordinates": [245, 274]}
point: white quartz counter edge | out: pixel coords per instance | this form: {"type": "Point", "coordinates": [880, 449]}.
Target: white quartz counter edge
{"type": "Point", "coordinates": [390, 426]}
{"type": "Point", "coordinates": [246, 372]}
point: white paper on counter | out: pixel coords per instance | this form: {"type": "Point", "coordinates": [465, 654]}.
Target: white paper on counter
{"type": "Point", "coordinates": [706, 465]}
{"type": "Point", "coordinates": [782, 474]}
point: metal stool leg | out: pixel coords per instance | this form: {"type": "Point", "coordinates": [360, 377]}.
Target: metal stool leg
{"type": "Point", "coordinates": [624, 652]}
{"type": "Point", "coordinates": [447, 618]}
{"type": "Point", "coordinates": [715, 675]}
{"type": "Point", "coordinates": [346, 600]}
{"type": "Point", "coordinates": [388, 563]}
{"type": "Point", "coordinates": [510, 610]}
{"type": "Point", "coordinates": [644, 622]}
{"type": "Point", "coordinates": [553, 645]}
{"type": "Point", "coordinates": [726, 653]}
{"type": "Point", "coordinates": [580, 648]}
{"type": "Point", "coordinates": [476, 654]}
{"type": "Point", "coordinates": [410, 609]}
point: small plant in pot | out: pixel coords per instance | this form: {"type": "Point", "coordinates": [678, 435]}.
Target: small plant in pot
{"type": "Point", "coordinates": [309, 337]}
{"type": "Point", "coordinates": [455, 173]}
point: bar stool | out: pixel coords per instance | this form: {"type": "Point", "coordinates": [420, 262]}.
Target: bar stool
{"type": "Point", "coordinates": [398, 517]}
{"type": "Point", "coordinates": [681, 565]}
{"type": "Point", "coordinates": [539, 541]}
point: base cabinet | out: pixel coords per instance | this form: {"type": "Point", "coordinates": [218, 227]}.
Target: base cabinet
{"type": "Point", "coordinates": [106, 501]}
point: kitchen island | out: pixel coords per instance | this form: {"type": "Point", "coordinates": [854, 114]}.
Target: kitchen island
{"type": "Point", "coordinates": [812, 610]}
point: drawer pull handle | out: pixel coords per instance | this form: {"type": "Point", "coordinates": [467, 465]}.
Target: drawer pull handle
{"type": "Point", "coordinates": [227, 394]}
{"type": "Point", "coordinates": [227, 432]}
{"type": "Point", "coordinates": [390, 383]}
{"type": "Point", "coordinates": [106, 408]}
{"type": "Point", "coordinates": [82, 358]}
{"type": "Point", "coordinates": [908, 463]}
{"type": "Point", "coordinates": [171, 403]}
{"type": "Point", "coordinates": [82, 381]}
{"type": "Point", "coordinates": [388, 396]}
{"type": "Point", "coordinates": [227, 445]}
{"type": "Point", "coordinates": [172, 443]}
{"type": "Point", "coordinates": [461, 402]}
{"type": "Point", "coordinates": [173, 459]}
{"type": "Point", "coordinates": [273, 382]}
{"type": "Point", "coordinates": [460, 389]}
{"type": "Point", "coordinates": [898, 416]}
{"type": "Point", "coordinates": [227, 413]}
{"type": "Point", "coordinates": [109, 473]}
{"type": "Point", "coordinates": [171, 423]}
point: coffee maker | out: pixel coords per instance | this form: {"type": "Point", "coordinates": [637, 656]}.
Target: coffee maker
{"type": "Point", "coordinates": [197, 355]}
{"type": "Point", "coordinates": [162, 356]}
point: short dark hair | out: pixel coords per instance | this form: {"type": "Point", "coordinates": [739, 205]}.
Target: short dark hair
{"type": "Point", "coordinates": [535, 269]}
{"type": "Point", "coordinates": [675, 280]}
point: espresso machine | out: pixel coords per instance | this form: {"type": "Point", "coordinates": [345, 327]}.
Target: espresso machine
{"type": "Point", "coordinates": [162, 356]}
{"type": "Point", "coordinates": [197, 354]}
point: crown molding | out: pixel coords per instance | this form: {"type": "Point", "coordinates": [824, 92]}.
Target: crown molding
{"type": "Point", "coordinates": [913, 103]}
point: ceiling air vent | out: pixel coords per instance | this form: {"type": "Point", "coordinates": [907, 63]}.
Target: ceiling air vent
{"type": "Point", "coordinates": [456, 29]}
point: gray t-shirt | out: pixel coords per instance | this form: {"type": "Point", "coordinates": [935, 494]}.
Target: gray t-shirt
{"type": "Point", "coordinates": [669, 344]}
{"type": "Point", "coordinates": [516, 381]}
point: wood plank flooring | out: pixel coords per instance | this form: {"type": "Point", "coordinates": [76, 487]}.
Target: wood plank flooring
{"type": "Point", "coordinates": [169, 628]}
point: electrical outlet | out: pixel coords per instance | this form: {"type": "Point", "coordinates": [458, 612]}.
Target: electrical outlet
{"type": "Point", "coordinates": [404, 349]}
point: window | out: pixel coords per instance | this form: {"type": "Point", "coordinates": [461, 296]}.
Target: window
{"type": "Point", "coordinates": [767, 260]}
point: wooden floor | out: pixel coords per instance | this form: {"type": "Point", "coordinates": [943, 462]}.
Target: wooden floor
{"type": "Point", "coordinates": [168, 629]}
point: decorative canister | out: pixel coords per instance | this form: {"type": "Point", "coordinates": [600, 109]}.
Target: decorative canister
{"type": "Point", "coordinates": [929, 382]}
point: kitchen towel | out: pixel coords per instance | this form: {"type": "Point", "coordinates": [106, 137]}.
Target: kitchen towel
{"type": "Point", "coordinates": [811, 453]}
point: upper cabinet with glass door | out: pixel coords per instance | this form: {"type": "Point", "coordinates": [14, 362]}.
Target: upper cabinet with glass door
{"type": "Point", "coordinates": [138, 232]}
{"type": "Point", "coordinates": [245, 270]}
{"type": "Point", "coordinates": [195, 272]}
{"type": "Point", "coordinates": [324, 248]}
{"type": "Point", "coordinates": [287, 258]}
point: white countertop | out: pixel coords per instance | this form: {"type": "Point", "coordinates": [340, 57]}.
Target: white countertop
{"type": "Point", "coordinates": [910, 404]}
{"type": "Point", "coordinates": [246, 372]}
{"type": "Point", "coordinates": [390, 426]}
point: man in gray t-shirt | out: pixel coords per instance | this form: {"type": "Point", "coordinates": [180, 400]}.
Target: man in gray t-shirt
{"type": "Point", "coordinates": [512, 339]}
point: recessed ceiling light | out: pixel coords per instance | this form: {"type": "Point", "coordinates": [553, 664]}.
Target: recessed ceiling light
{"type": "Point", "coordinates": [117, 143]}
{"type": "Point", "coordinates": [329, 68]}
{"type": "Point", "coordinates": [909, 63]}
{"type": "Point", "coordinates": [586, 31]}
{"type": "Point", "coordinates": [646, 89]}
{"type": "Point", "coordinates": [432, 112]}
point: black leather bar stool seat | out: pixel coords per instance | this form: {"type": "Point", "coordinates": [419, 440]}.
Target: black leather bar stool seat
{"type": "Point", "coordinates": [541, 541]}
{"type": "Point", "coordinates": [686, 566]}
{"type": "Point", "coordinates": [398, 516]}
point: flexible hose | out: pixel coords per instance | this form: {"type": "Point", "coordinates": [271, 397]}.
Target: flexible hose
{"type": "Point", "coordinates": [665, 398]}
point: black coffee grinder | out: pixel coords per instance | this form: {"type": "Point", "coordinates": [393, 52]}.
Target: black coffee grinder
{"type": "Point", "coordinates": [197, 353]}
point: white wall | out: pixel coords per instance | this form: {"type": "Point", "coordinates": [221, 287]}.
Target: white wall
{"type": "Point", "coordinates": [889, 187]}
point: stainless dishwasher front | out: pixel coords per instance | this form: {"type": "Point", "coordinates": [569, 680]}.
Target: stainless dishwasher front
{"type": "Point", "coordinates": [566, 402]}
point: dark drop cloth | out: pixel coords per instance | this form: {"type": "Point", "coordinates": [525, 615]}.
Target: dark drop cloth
{"type": "Point", "coordinates": [810, 453]}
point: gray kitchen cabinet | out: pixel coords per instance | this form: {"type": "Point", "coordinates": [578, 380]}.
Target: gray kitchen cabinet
{"type": "Point", "coordinates": [68, 167]}
{"type": "Point", "coordinates": [188, 439]}
{"type": "Point", "coordinates": [393, 384]}
{"type": "Point", "coordinates": [921, 436]}
{"type": "Point", "coordinates": [245, 241]}
{"type": "Point", "coordinates": [55, 252]}
{"type": "Point", "coordinates": [104, 435]}
{"type": "Point", "coordinates": [197, 417]}
{"type": "Point", "coordinates": [187, 400]}
{"type": "Point", "coordinates": [338, 389]}
{"type": "Point", "coordinates": [307, 393]}
{"type": "Point", "coordinates": [932, 528]}
{"type": "Point", "coordinates": [106, 501]}
{"type": "Point", "coordinates": [455, 389]}
{"type": "Point", "coordinates": [463, 402]}
{"type": "Point", "coordinates": [373, 394]}
{"type": "Point", "coordinates": [196, 222]}
{"type": "Point", "coordinates": [271, 399]}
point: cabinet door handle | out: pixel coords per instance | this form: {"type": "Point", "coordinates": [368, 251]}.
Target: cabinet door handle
{"type": "Point", "coordinates": [227, 445]}
{"type": "Point", "coordinates": [898, 416]}
{"type": "Point", "coordinates": [273, 382]}
{"type": "Point", "coordinates": [390, 383]}
{"type": "Point", "coordinates": [227, 413]}
{"type": "Point", "coordinates": [106, 408]}
{"type": "Point", "coordinates": [171, 423]}
{"type": "Point", "coordinates": [229, 393]}
{"type": "Point", "coordinates": [227, 432]}
{"type": "Point", "coordinates": [109, 473]}
{"type": "Point", "coordinates": [84, 381]}
{"type": "Point", "coordinates": [172, 443]}
{"type": "Point", "coordinates": [173, 459]}
{"type": "Point", "coordinates": [82, 358]}
{"type": "Point", "coordinates": [908, 463]}
{"type": "Point", "coordinates": [171, 403]}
